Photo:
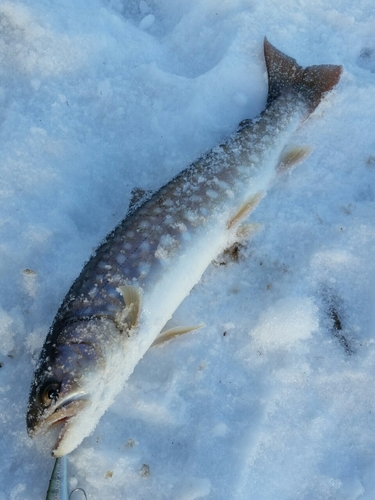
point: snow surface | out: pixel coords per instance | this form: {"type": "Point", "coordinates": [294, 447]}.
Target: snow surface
{"type": "Point", "coordinates": [274, 398]}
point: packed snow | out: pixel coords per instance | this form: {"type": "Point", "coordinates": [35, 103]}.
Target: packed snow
{"type": "Point", "coordinates": [274, 397]}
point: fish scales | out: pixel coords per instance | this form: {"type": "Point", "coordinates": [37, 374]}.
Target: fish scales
{"type": "Point", "coordinates": [130, 288]}
{"type": "Point", "coordinates": [209, 192]}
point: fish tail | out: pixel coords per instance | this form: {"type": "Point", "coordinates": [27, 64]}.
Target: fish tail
{"type": "Point", "coordinates": [285, 75]}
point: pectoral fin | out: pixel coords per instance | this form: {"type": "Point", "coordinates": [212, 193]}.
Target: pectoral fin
{"type": "Point", "coordinates": [174, 332]}
{"type": "Point", "coordinates": [128, 318]}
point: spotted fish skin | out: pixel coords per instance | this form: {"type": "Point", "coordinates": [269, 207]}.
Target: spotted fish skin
{"type": "Point", "coordinates": [207, 193]}
{"type": "Point", "coordinates": [137, 278]}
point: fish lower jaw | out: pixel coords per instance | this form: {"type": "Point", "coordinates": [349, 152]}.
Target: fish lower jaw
{"type": "Point", "coordinates": [58, 450]}
{"type": "Point", "coordinates": [67, 410]}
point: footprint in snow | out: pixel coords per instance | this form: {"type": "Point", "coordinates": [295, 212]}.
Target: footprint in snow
{"type": "Point", "coordinates": [366, 59]}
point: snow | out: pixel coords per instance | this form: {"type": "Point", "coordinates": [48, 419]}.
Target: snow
{"type": "Point", "coordinates": [274, 397]}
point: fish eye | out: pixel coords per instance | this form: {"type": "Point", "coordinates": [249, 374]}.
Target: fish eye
{"type": "Point", "coordinates": [50, 393]}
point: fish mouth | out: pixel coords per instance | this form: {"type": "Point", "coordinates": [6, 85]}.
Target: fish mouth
{"type": "Point", "coordinates": [63, 415]}
{"type": "Point", "coordinates": [65, 412]}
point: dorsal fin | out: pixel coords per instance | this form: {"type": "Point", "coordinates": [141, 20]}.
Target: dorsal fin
{"type": "Point", "coordinates": [137, 197]}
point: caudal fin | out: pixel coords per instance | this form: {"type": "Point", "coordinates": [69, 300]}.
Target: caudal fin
{"type": "Point", "coordinates": [285, 75]}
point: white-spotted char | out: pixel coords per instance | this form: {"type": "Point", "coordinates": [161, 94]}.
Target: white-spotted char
{"type": "Point", "coordinates": [137, 278]}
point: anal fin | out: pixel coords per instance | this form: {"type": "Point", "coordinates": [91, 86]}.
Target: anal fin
{"type": "Point", "coordinates": [166, 335]}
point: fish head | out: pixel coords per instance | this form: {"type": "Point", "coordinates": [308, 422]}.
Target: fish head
{"type": "Point", "coordinates": [69, 383]}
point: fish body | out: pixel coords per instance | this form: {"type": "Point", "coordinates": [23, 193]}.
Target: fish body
{"type": "Point", "coordinates": [137, 278]}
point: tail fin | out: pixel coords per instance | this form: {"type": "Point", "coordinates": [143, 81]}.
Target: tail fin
{"type": "Point", "coordinates": [284, 74]}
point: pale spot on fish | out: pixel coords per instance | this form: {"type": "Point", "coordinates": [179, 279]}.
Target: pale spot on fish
{"type": "Point", "coordinates": [120, 258]}
{"type": "Point", "coordinates": [104, 265]}
{"type": "Point", "coordinates": [212, 194]}
{"type": "Point", "coordinates": [166, 247]}
{"type": "Point", "coordinates": [180, 226]}
{"type": "Point", "coordinates": [129, 234]}
{"type": "Point", "coordinates": [144, 224]}
{"type": "Point", "coordinates": [169, 220]}
{"type": "Point", "coordinates": [221, 184]}
{"type": "Point", "coordinates": [168, 203]}
{"type": "Point", "coordinates": [144, 269]}
{"type": "Point", "coordinates": [195, 199]}
{"type": "Point", "coordinates": [194, 218]}
{"type": "Point", "coordinates": [144, 246]}
{"type": "Point", "coordinates": [113, 293]}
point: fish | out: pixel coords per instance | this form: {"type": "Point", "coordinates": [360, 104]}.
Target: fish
{"type": "Point", "coordinates": [133, 283]}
